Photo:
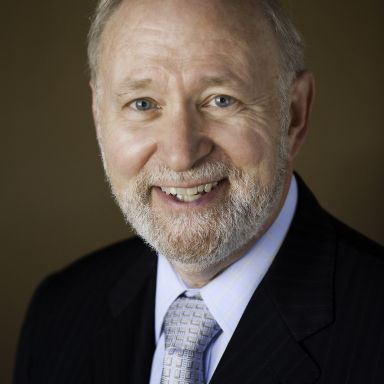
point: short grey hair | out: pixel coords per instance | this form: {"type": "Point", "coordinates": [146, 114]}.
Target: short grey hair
{"type": "Point", "coordinates": [103, 12]}
{"type": "Point", "coordinates": [289, 40]}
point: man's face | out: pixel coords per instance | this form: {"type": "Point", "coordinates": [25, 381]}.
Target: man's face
{"type": "Point", "coordinates": [188, 119]}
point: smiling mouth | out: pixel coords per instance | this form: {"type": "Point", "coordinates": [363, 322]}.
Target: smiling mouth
{"type": "Point", "coordinates": [190, 194]}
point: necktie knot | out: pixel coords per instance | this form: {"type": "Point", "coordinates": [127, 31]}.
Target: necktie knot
{"type": "Point", "coordinates": [189, 328]}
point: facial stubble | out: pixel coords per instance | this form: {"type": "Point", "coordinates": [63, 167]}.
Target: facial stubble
{"type": "Point", "coordinates": [198, 239]}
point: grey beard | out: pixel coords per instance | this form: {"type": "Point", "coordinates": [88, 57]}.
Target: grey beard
{"type": "Point", "coordinates": [198, 240]}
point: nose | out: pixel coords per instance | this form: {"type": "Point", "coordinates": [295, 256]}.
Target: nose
{"type": "Point", "coordinates": [182, 141]}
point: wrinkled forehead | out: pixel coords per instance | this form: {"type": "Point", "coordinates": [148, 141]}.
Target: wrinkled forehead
{"type": "Point", "coordinates": [237, 14]}
{"type": "Point", "coordinates": [193, 21]}
{"type": "Point", "coordinates": [183, 34]}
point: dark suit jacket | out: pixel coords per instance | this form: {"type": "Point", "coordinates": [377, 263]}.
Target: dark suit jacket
{"type": "Point", "coordinates": [317, 317]}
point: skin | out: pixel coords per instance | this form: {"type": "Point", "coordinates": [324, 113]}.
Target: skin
{"type": "Point", "coordinates": [178, 56]}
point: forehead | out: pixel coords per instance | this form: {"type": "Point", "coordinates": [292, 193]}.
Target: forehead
{"type": "Point", "coordinates": [151, 34]}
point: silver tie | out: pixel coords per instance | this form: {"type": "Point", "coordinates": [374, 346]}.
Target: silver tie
{"type": "Point", "coordinates": [189, 328]}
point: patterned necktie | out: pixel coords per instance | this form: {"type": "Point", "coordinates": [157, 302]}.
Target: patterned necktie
{"type": "Point", "coordinates": [189, 328]}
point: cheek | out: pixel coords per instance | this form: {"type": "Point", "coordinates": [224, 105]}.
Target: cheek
{"type": "Point", "coordinates": [247, 145]}
{"type": "Point", "coordinates": [126, 153]}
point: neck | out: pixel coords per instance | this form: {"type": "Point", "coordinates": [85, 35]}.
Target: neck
{"type": "Point", "coordinates": [196, 278]}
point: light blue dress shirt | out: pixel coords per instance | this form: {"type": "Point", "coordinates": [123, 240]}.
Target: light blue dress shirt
{"type": "Point", "coordinates": [228, 294]}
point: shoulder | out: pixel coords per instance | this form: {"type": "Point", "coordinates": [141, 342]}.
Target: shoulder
{"type": "Point", "coordinates": [71, 306]}
{"type": "Point", "coordinates": [312, 218]}
{"type": "Point", "coordinates": [353, 241]}
{"type": "Point", "coordinates": [105, 264]}
{"type": "Point", "coordinates": [89, 280]}
{"type": "Point", "coordinates": [359, 260]}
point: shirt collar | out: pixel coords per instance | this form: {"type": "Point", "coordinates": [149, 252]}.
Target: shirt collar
{"type": "Point", "coordinates": [230, 292]}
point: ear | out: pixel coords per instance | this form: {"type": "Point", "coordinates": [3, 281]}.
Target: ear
{"type": "Point", "coordinates": [302, 94]}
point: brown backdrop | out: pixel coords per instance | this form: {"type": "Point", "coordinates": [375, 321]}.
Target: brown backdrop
{"type": "Point", "coordinates": [55, 202]}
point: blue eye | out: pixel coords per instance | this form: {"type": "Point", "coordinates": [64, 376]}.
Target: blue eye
{"type": "Point", "coordinates": [223, 101]}
{"type": "Point", "coordinates": [143, 105]}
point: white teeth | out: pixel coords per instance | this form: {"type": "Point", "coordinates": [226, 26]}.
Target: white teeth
{"type": "Point", "coordinates": [189, 194]}
{"type": "Point", "coordinates": [189, 199]}
{"type": "Point", "coordinates": [207, 188]}
{"type": "Point", "coordinates": [191, 191]}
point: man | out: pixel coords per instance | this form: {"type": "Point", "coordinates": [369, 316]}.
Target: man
{"type": "Point", "coordinates": [200, 109]}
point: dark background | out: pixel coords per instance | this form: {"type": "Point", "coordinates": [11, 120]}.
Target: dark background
{"type": "Point", "coordinates": [55, 201]}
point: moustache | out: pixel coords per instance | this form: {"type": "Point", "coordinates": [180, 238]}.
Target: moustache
{"type": "Point", "coordinates": [162, 175]}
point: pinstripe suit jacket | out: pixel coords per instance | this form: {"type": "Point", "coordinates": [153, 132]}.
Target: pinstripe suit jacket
{"type": "Point", "coordinates": [317, 317]}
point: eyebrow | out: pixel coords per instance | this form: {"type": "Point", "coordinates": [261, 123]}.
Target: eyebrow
{"type": "Point", "coordinates": [209, 81]}
{"type": "Point", "coordinates": [131, 85]}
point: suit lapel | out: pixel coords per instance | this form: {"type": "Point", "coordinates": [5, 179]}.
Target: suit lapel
{"type": "Point", "coordinates": [124, 346]}
{"type": "Point", "coordinates": [294, 301]}
{"type": "Point", "coordinates": [262, 350]}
